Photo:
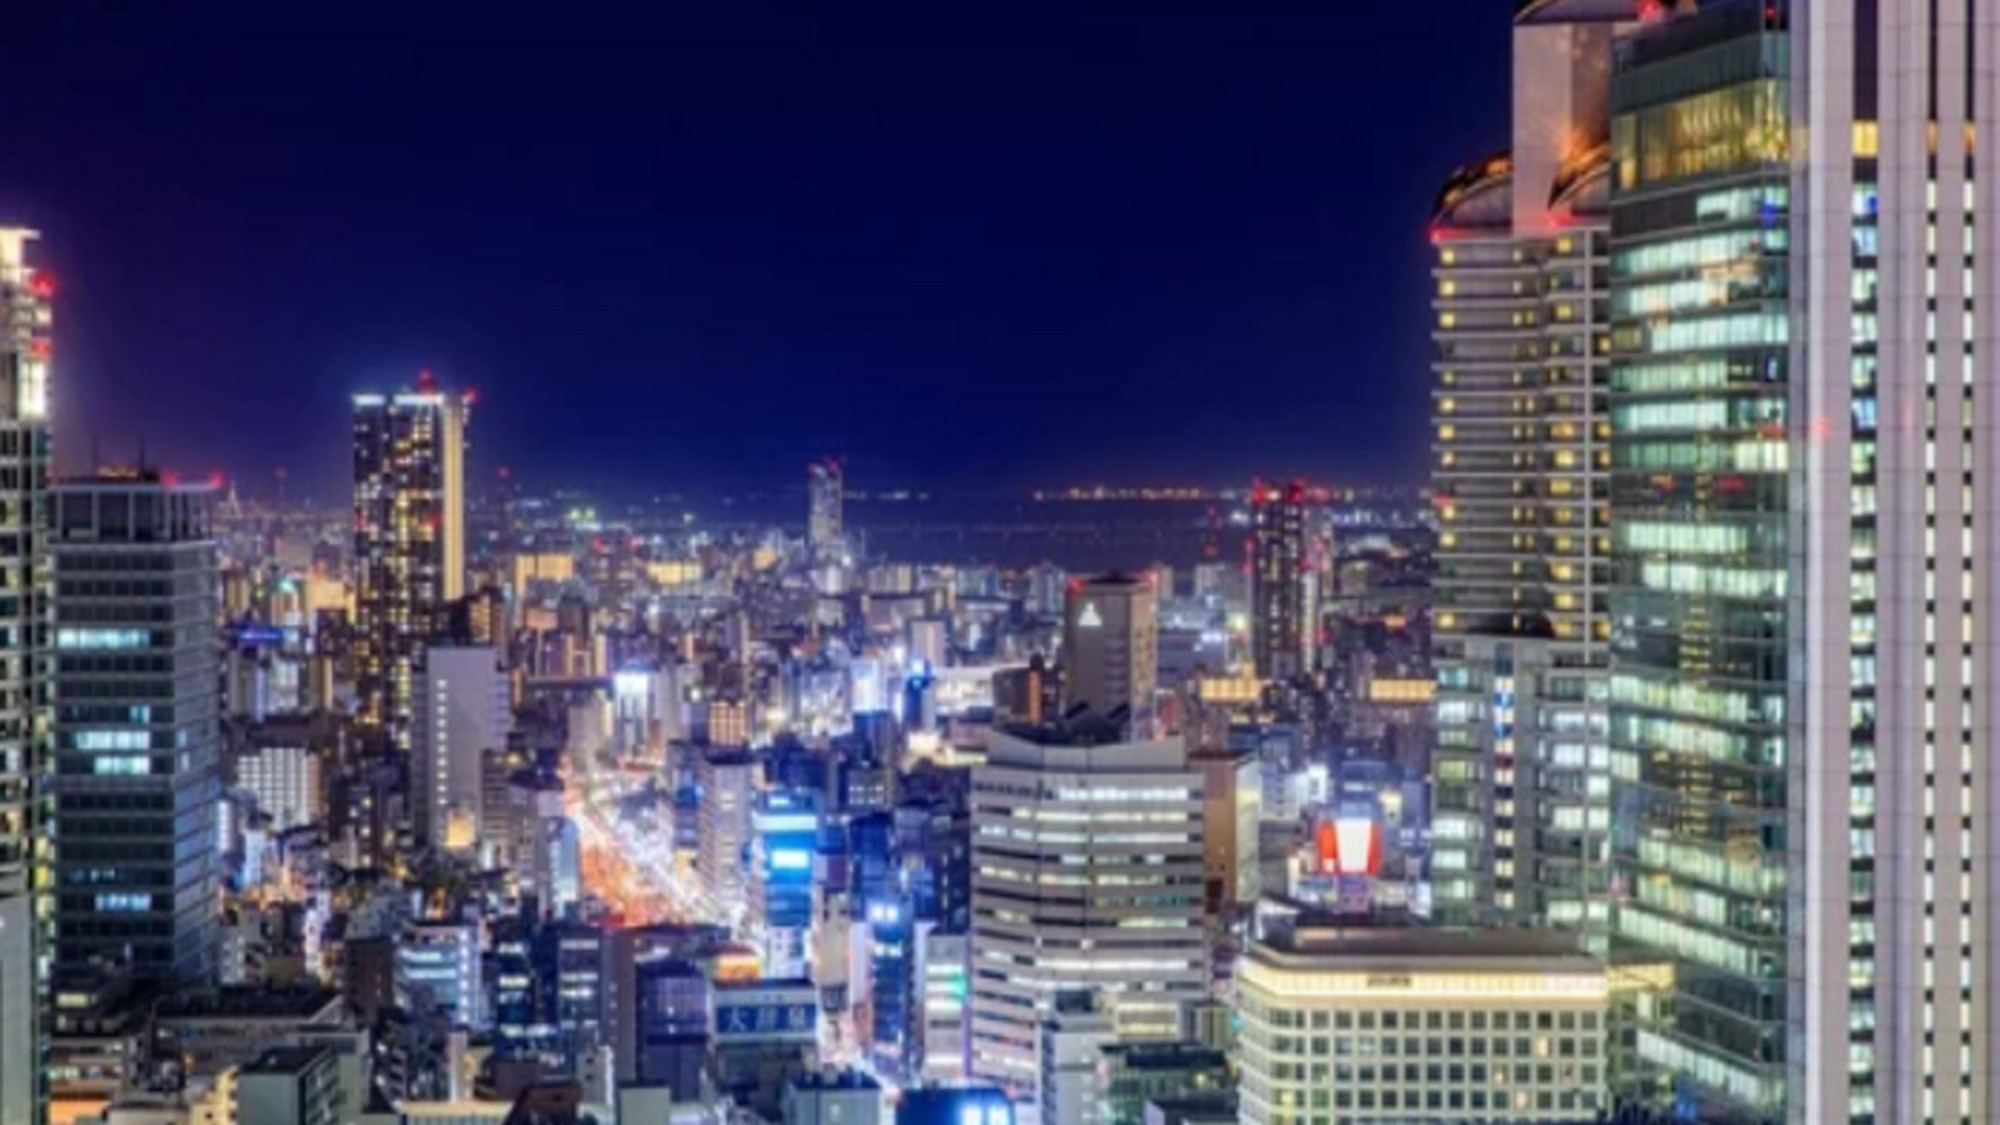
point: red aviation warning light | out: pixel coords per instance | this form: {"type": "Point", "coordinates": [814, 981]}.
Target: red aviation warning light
{"type": "Point", "coordinates": [42, 284]}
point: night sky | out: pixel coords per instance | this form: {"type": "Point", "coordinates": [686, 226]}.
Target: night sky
{"type": "Point", "coordinates": [963, 244]}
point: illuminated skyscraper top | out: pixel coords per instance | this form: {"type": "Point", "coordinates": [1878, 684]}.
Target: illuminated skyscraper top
{"type": "Point", "coordinates": [825, 482]}
{"type": "Point", "coordinates": [409, 540]}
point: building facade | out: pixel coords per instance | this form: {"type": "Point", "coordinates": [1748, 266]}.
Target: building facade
{"type": "Point", "coordinates": [1519, 472]}
{"type": "Point", "coordinates": [825, 499]}
{"type": "Point", "coordinates": [1280, 629]}
{"type": "Point", "coordinates": [137, 761]}
{"type": "Point", "coordinates": [25, 610]}
{"type": "Point", "coordinates": [409, 542]}
{"type": "Point", "coordinates": [461, 713]}
{"type": "Point", "coordinates": [1111, 646]}
{"type": "Point", "coordinates": [1088, 873]}
{"type": "Point", "coordinates": [1349, 1027]}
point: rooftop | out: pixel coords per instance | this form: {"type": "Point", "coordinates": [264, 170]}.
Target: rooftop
{"type": "Point", "coordinates": [834, 1080]}
{"type": "Point", "coordinates": [249, 1002]}
{"type": "Point", "coordinates": [285, 1060]}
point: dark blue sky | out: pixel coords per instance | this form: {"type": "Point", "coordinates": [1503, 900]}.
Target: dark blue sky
{"type": "Point", "coordinates": [961, 243]}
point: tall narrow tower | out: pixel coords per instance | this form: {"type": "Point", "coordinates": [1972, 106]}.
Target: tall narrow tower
{"type": "Point", "coordinates": [825, 498]}
{"type": "Point", "coordinates": [25, 347]}
{"type": "Point", "coordinates": [1279, 632]}
{"type": "Point", "coordinates": [409, 541]}
{"type": "Point", "coordinates": [1519, 471]}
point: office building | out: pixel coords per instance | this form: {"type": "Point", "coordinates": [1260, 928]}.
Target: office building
{"type": "Point", "coordinates": [1125, 817]}
{"type": "Point", "coordinates": [1073, 1038]}
{"type": "Point", "coordinates": [1421, 1025]}
{"type": "Point", "coordinates": [1519, 472]}
{"type": "Point", "coordinates": [409, 542]}
{"type": "Point", "coordinates": [825, 484]}
{"type": "Point", "coordinates": [784, 832]}
{"type": "Point", "coordinates": [461, 713]}
{"type": "Point", "coordinates": [1232, 800]}
{"type": "Point", "coordinates": [438, 968]}
{"type": "Point", "coordinates": [291, 1086]}
{"type": "Point", "coordinates": [286, 779]}
{"type": "Point", "coordinates": [840, 1097]}
{"type": "Point", "coordinates": [1802, 698]}
{"type": "Point", "coordinates": [138, 750]}
{"type": "Point", "coordinates": [1281, 629]}
{"type": "Point", "coordinates": [727, 782]}
{"type": "Point", "coordinates": [944, 956]}
{"type": "Point", "coordinates": [1111, 647]}
{"type": "Point", "coordinates": [24, 453]}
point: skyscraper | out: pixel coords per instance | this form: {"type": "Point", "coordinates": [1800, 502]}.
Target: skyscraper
{"type": "Point", "coordinates": [25, 610]}
{"type": "Point", "coordinates": [1803, 711]}
{"type": "Point", "coordinates": [1088, 873]}
{"type": "Point", "coordinates": [462, 713]}
{"type": "Point", "coordinates": [409, 541]}
{"type": "Point", "coordinates": [1111, 646]}
{"type": "Point", "coordinates": [825, 482]}
{"type": "Point", "coordinates": [137, 745]}
{"type": "Point", "coordinates": [1519, 473]}
{"type": "Point", "coordinates": [1711, 787]}
{"type": "Point", "coordinates": [1279, 632]}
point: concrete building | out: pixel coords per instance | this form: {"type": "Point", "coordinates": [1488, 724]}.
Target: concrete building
{"type": "Point", "coordinates": [409, 542]}
{"type": "Point", "coordinates": [1422, 1025]}
{"type": "Point", "coordinates": [1073, 1038]}
{"type": "Point", "coordinates": [1049, 803]}
{"type": "Point", "coordinates": [462, 711]}
{"type": "Point", "coordinates": [727, 780]}
{"type": "Point", "coordinates": [288, 783]}
{"type": "Point", "coordinates": [1232, 799]}
{"type": "Point", "coordinates": [439, 966]}
{"type": "Point", "coordinates": [291, 1086]}
{"type": "Point", "coordinates": [137, 685]}
{"type": "Point", "coordinates": [1520, 472]}
{"type": "Point", "coordinates": [1111, 647]}
{"type": "Point", "coordinates": [841, 1097]}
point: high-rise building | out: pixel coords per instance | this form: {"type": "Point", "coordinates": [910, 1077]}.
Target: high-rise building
{"type": "Point", "coordinates": [727, 780]}
{"type": "Point", "coordinates": [1794, 587]}
{"type": "Point", "coordinates": [461, 713]}
{"type": "Point", "coordinates": [137, 761]}
{"type": "Point", "coordinates": [825, 496]}
{"type": "Point", "coordinates": [1088, 873]}
{"type": "Point", "coordinates": [25, 294]}
{"type": "Point", "coordinates": [1519, 471]}
{"type": "Point", "coordinates": [409, 542]}
{"type": "Point", "coordinates": [1111, 646]}
{"type": "Point", "coordinates": [1279, 630]}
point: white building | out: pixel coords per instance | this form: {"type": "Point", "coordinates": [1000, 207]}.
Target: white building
{"type": "Point", "coordinates": [727, 779]}
{"type": "Point", "coordinates": [286, 782]}
{"type": "Point", "coordinates": [1421, 1025]}
{"type": "Point", "coordinates": [461, 712]}
{"type": "Point", "coordinates": [439, 963]}
{"type": "Point", "coordinates": [1087, 872]}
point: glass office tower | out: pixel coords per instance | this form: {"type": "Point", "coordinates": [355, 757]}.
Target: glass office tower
{"type": "Point", "coordinates": [1699, 439]}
